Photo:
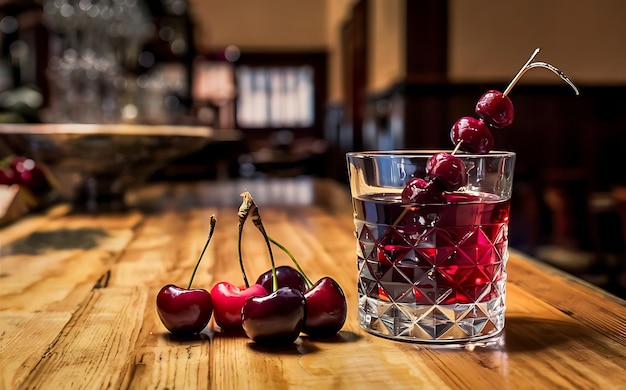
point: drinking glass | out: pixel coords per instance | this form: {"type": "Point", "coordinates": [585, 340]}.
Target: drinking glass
{"type": "Point", "coordinates": [432, 272]}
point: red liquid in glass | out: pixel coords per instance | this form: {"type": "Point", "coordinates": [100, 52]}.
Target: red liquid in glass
{"type": "Point", "coordinates": [435, 271]}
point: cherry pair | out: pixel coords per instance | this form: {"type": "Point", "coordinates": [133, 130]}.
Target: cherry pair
{"type": "Point", "coordinates": [294, 303]}
{"type": "Point", "coordinates": [326, 307]}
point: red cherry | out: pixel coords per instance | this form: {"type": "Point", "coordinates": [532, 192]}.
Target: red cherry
{"type": "Point", "coordinates": [447, 170]}
{"type": "Point", "coordinates": [474, 134]}
{"type": "Point", "coordinates": [420, 191]}
{"type": "Point", "coordinates": [184, 311]}
{"type": "Point", "coordinates": [326, 308]}
{"type": "Point", "coordinates": [276, 319]}
{"type": "Point", "coordinates": [228, 301]}
{"type": "Point", "coordinates": [495, 108]}
{"type": "Point", "coordinates": [286, 276]}
{"type": "Point", "coordinates": [325, 301]}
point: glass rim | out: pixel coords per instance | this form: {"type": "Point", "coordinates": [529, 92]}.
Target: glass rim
{"type": "Point", "coordinates": [421, 153]}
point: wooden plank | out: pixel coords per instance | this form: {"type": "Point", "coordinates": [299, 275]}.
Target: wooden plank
{"type": "Point", "coordinates": [94, 350]}
{"type": "Point", "coordinates": [591, 306]}
{"type": "Point", "coordinates": [30, 223]}
{"type": "Point", "coordinates": [161, 361]}
{"type": "Point", "coordinates": [55, 269]}
{"type": "Point", "coordinates": [164, 250]}
{"type": "Point", "coordinates": [24, 339]}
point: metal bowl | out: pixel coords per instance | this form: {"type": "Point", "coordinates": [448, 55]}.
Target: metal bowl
{"type": "Point", "coordinates": [95, 165]}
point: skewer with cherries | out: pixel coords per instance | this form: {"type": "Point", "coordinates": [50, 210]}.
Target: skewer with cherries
{"type": "Point", "coordinates": [444, 171]}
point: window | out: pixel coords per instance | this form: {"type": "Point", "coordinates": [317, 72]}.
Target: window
{"type": "Point", "coordinates": [275, 97]}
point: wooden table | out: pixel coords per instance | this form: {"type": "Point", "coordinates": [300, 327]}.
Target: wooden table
{"type": "Point", "coordinates": [77, 304]}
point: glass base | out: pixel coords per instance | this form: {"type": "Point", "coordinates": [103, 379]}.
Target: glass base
{"type": "Point", "coordinates": [455, 324]}
{"type": "Point", "coordinates": [491, 342]}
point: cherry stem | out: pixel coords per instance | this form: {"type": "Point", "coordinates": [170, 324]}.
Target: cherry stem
{"type": "Point", "coordinates": [243, 212]}
{"type": "Point", "coordinates": [539, 64]}
{"type": "Point", "coordinates": [308, 281]}
{"type": "Point", "coordinates": [256, 220]}
{"type": "Point", "coordinates": [211, 229]}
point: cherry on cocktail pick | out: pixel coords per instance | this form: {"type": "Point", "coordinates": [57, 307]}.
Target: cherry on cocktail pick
{"type": "Point", "coordinates": [474, 133]}
{"type": "Point", "coordinates": [326, 304]}
{"type": "Point", "coordinates": [276, 319]}
{"type": "Point", "coordinates": [496, 109]}
{"type": "Point", "coordinates": [420, 191]}
{"type": "Point", "coordinates": [446, 170]}
{"type": "Point", "coordinates": [185, 310]}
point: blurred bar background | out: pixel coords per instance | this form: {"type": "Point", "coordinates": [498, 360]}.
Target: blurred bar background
{"type": "Point", "coordinates": [307, 81]}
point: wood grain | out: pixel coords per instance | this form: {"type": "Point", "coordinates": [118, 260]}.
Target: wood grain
{"type": "Point", "coordinates": [77, 308]}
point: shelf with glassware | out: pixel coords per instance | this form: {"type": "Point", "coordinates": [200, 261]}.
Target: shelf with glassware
{"type": "Point", "coordinates": [99, 63]}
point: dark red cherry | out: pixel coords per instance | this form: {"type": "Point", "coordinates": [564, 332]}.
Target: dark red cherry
{"type": "Point", "coordinates": [326, 308]}
{"type": "Point", "coordinates": [420, 191]}
{"type": "Point", "coordinates": [475, 135]}
{"type": "Point", "coordinates": [184, 311]}
{"type": "Point", "coordinates": [286, 276]}
{"type": "Point", "coordinates": [495, 108]}
{"type": "Point", "coordinates": [447, 170]}
{"type": "Point", "coordinates": [276, 319]}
